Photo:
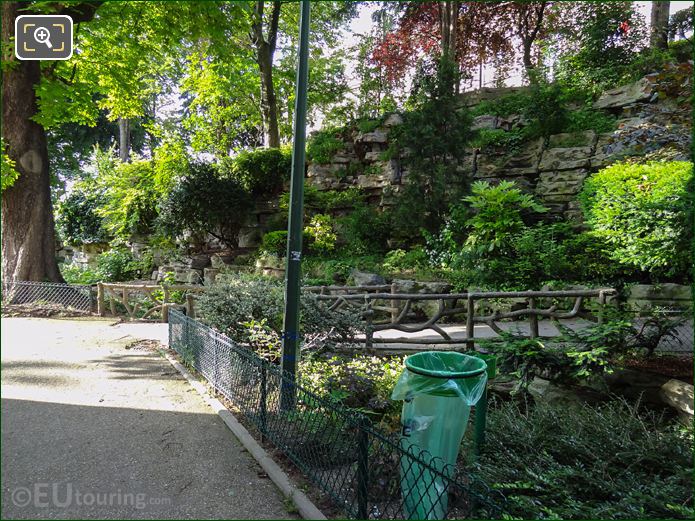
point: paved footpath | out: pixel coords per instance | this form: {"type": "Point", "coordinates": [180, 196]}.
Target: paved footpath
{"type": "Point", "coordinates": [94, 429]}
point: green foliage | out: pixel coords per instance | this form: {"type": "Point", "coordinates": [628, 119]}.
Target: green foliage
{"type": "Point", "coordinates": [591, 55]}
{"type": "Point", "coordinates": [74, 274]}
{"type": "Point", "coordinates": [323, 201]}
{"type": "Point", "coordinates": [320, 232]}
{"type": "Point", "coordinates": [261, 172]}
{"type": "Point", "coordinates": [77, 215]}
{"type": "Point", "coordinates": [275, 243]}
{"type": "Point", "coordinates": [8, 173]}
{"type": "Point", "coordinates": [321, 271]}
{"type": "Point", "coordinates": [324, 144]}
{"type": "Point", "coordinates": [587, 118]}
{"type": "Point", "coordinates": [366, 125]}
{"type": "Point", "coordinates": [239, 308]}
{"type": "Point", "coordinates": [497, 214]}
{"type": "Point", "coordinates": [401, 260]}
{"type": "Point", "coordinates": [130, 194]}
{"type": "Point", "coordinates": [516, 103]}
{"type": "Point", "coordinates": [205, 202]}
{"type": "Point", "coordinates": [511, 142]}
{"type": "Point", "coordinates": [118, 265]}
{"type": "Point", "coordinates": [547, 110]}
{"type": "Point", "coordinates": [644, 213]}
{"type": "Point", "coordinates": [365, 230]}
{"type": "Point", "coordinates": [360, 382]}
{"type": "Point", "coordinates": [608, 462]}
{"type": "Point", "coordinates": [431, 143]}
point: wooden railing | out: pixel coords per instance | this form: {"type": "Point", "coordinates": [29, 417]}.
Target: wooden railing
{"type": "Point", "coordinates": [384, 309]}
{"type": "Point", "coordinates": [460, 305]}
{"type": "Point", "coordinates": [158, 295]}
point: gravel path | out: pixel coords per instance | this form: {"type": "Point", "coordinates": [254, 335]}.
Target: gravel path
{"type": "Point", "coordinates": [95, 428]}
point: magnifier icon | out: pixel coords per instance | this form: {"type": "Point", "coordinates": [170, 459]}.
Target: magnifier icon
{"type": "Point", "coordinates": [43, 35]}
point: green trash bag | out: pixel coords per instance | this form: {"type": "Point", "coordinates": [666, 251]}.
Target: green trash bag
{"type": "Point", "coordinates": [438, 389]}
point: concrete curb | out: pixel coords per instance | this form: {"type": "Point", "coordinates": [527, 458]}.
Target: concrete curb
{"type": "Point", "coordinates": [306, 508]}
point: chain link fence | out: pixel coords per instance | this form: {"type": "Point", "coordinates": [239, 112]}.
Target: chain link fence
{"type": "Point", "coordinates": [70, 296]}
{"type": "Point", "coordinates": [363, 470]}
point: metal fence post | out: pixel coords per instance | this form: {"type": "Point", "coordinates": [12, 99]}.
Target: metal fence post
{"type": "Point", "coordinates": [264, 398]}
{"type": "Point", "coordinates": [362, 470]}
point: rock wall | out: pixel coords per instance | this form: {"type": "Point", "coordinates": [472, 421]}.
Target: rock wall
{"type": "Point", "coordinates": [651, 116]}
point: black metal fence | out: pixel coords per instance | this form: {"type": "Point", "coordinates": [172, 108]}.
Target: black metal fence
{"type": "Point", "coordinates": [70, 296]}
{"type": "Point", "coordinates": [366, 473]}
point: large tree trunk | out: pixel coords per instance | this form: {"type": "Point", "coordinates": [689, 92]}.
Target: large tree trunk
{"type": "Point", "coordinates": [265, 51]}
{"type": "Point", "coordinates": [124, 139]}
{"type": "Point", "coordinates": [28, 231]}
{"type": "Point", "coordinates": [659, 25]}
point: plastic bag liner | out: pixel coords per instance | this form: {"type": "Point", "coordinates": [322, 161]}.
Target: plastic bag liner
{"type": "Point", "coordinates": [438, 389]}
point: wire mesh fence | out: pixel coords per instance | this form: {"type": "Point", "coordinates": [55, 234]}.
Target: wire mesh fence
{"type": "Point", "coordinates": [70, 296]}
{"type": "Point", "coordinates": [366, 473]}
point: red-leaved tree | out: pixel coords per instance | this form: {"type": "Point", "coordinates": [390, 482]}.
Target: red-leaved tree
{"type": "Point", "coordinates": [471, 33]}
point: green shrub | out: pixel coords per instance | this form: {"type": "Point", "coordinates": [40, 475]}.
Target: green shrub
{"type": "Point", "coordinates": [399, 260]}
{"type": "Point", "coordinates": [516, 103]}
{"type": "Point", "coordinates": [323, 201]}
{"type": "Point", "coordinates": [608, 462]}
{"type": "Point", "coordinates": [643, 212]}
{"type": "Point", "coordinates": [118, 265]}
{"type": "Point", "coordinates": [366, 125]}
{"type": "Point", "coordinates": [587, 118]}
{"type": "Point", "coordinates": [360, 382]}
{"type": "Point", "coordinates": [319, 231]}
{"type": "Point", "coordinates": [238, 307]}
{"type": "Point", "coordinates": [77, 217]}
{"type": "Point", "coordinates": [547, 110]}
{"type": "Point", "coordinates": [204, 202]}
{"type": "Point", "coordinates": [498, 214]}
{"type": "Point", "coordinates": [275, 243]}
{"type": "Point", "coordinates": [436, 132]}
{"type": "Point", "coordinates": [261, 172]}
{"type": "Point", "coordinates": [365, 230]}
{"type": "Point", "coordinates": [321, 271]}
{"type": "Point", "coordinates": [131, 201]}
{"type": "Point", "coordinates": [510, 141]}
{"type": "Point", "coordinates": [74, 274]}
{"type": "Point", "coordinates": [324, 144]}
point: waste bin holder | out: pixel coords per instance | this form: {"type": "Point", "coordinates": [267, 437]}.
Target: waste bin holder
{"type": "Point", "coordinates": [438, 389]}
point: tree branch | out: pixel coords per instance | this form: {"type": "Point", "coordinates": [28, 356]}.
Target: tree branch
{"type": "Point", "coordinates": [273, 30]}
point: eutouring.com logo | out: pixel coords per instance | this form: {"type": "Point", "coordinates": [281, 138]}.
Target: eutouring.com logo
{"type": "Point", "coordinates": [64, 495]}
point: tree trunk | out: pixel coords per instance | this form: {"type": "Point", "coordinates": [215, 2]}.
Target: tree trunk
{"type": "Point", "coordinates": [28, 230]}
{"type": "Point", "coordinates": [529, 22]}
{"type": "Point", "coordinates": [659, 25]}
{"type": "Point", "coordinates": [448, 24]}
{"type": "Point", "coordinates": [124, 139]}
{"type": "Point", "coordinates": [271, 131]}
{"type": "Point", "coordinates": [265, 51]}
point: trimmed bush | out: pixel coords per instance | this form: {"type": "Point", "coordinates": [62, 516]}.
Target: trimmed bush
{"type": "Point", "coordinates": [644, 213]}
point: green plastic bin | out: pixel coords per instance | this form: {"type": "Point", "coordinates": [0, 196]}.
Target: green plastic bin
{"type": "Point", "coordinates": [438, 389]}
